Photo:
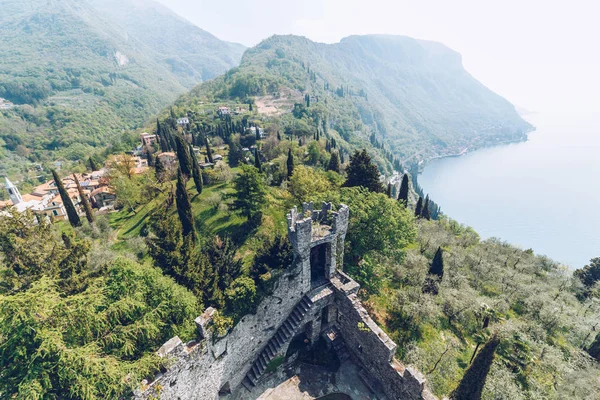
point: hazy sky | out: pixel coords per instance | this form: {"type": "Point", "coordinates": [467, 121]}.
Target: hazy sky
{"type": "Point", "coordinates": [542, 55]}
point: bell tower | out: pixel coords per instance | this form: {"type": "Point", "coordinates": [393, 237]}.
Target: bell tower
{"type": "Point", "coordinates": [13, 192]}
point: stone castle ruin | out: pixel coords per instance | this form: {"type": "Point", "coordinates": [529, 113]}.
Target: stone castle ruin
{"type": "Point", "coordinates": [312, 299]}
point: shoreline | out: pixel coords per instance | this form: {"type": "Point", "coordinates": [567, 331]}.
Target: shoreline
{"type": "Point", "coordinates": [421, 166]}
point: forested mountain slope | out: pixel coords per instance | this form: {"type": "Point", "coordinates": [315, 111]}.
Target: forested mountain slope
{"type": "Point", "coordinates": [414, 94]}
{"type": "Point", "coordinates": [79, 80]}
{"type": "Point", "coordinates": [190, 53]}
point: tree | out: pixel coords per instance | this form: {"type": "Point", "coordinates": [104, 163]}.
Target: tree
{"type": "Point", "coordinates": [29, 251]}
{"type": "Point", "coordinates": [121, 164]}
{"type": "Point", "coordinates": [67, 202]}
{"type": "Point", "coordinates": [278, 136]}
{"type": "Point", "coordinates": [159, 169]}
{"type": "Point", "coordinates": [240, 296]}
{"type": "Point", "coordinates": [362, 172]}
{"type": "Point", "coordinates": [183, 155]}
{"type": "Point", "coordinates": [419, 208]}
{"type": "Point", "coordinates": [93, 165]}
{"type": "Point", "coordinates": [589, 275]}
{"type": "Point", "coordinates": [388, 192]}
{"type": "Point", "coordinates": [314, 153]}
{"type": "Point", "coordinates": [208, 151]}
{"type": "Point", "coordinates": [196, 172]}
{"type": "Point", "coordinates": [426, 212]}
{"type": "Point", "coordinates": [435, 274]}
{"type": "Point", "coordinates": [223, 258]}
{"type": "Point", "coordinates": [257, 163]}
{"type": "Point", "coordinates": [250, 191]}
{"type": "Point", "coordinates": [334, 163]}
{"type": "Point", "coordinates": [84, 201]}
{"type": "Point", "coordinates": [275, 254]}
{"type": "Point", "coordinates": [437, 265]}
{"type": "Point", "coordinates": [375, 212]}
{"type": "Point", "coordinates": [473, 381]}
{"type": "Point", "coordinates": [82, 345]}
{"type": "Point", "coordinates": [236, 155]}
{"type": "Point", "coordinates": [306, 183]}
{"type": "Point", "coordinates": [403, 194]}
{"type": "Point", "coordinates": [184, 207]}
{"type": "Point", "coordinates": [290, 163]}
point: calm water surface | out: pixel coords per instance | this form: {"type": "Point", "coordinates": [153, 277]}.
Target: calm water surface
{"type": "Point", "coordinates": [542, 194]}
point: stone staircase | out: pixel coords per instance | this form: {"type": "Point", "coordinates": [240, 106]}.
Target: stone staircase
{"type": "Point", "coordinates": [282, 336]}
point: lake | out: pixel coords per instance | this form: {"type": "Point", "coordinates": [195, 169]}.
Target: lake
{"type": "Point", "coordinates": [542, 194]}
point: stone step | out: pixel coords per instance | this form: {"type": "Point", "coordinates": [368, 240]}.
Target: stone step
{"type": "Point", "coordinates": [254, 371]}
{"type": "Point", "coordinates": [290, 326]}
{"type": "Point", "coordinates": [266, 357]}
{"type": "Point", "coordinates": [262, 365]}
{"type": "Point", "coordinates": [248, 384]}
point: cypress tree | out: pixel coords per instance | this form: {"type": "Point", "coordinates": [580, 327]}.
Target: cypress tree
{"type": "Point", "coordinates": [93, 165]}
{"type": "Point", "coordinates": [184, 207]}
{"type": "Point", "coordinates": [290, 163]}
{"type": "Point", "coordinates": [435, 274]}
{"type": "Point", "coordinates": [84, 200]}
{"type": "Point", "coordinates": [334, 163]}
{"type": "Point", "coordinates": [403, 194]}
{"type": "Point", "coordinates": [257, 130]}
{"type": "Point", "coordinates": [473, 381]}
{"type": "Point", "coordinates": [183, 155]}
{"type": "Point", "coordinates": [389, 190]}
{"type": "Point", "coordinates": [208, 151]}
{"type": "Point", "coordinates": [342, 161]}
{"type": "Point", "coordinates": [257, 162]}
{"type": "Point", "coordinates": [159, 168]}
{"type": "Point", "coordinates": [68, 204]}
{"type": "Point", "coordinates": [419, 208]}
{"type": "Point", "coordinates": [151, 160]}
{"type": "Point", "coordinates": [236, 155]}
{"type": "Point", "coordinates": [318, 136]}
{"type": "Point", "coordinates": [437, 265]}
{"type": "Point", "coordinates": [278, 136]}
{"type": "Point", "coordinates": [196, 172]}
{"type": "Point", "coordinates": [426, 213]}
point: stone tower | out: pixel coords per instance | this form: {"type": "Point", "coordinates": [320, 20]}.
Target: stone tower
{"type": "Point", "coordinates": [317, 237]}
{"type": "Point", "coordinates": [13, 192]}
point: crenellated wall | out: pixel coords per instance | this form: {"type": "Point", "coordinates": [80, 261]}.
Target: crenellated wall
{"type": "Point", "coordinates": [209, 365]}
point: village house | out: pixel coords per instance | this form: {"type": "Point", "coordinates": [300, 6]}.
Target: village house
{"type": "Point", "coordinates": [5, 104]}
{"type": "Point", "coordinates": [183, 121]}
{"type": "Point", "coordinates": [167, 158]}
{"type": "Point", "coordinates": [147, 139]}
{"type": "Point", "coordinates": [261, 132]}
{"type": "Point", "coordinates": [221, 111]}
{"type": "Point", "coordinates": [45, 200]}
{"type": "Point", "coordinates": [103, 197]}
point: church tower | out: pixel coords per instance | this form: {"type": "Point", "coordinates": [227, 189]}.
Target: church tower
{"type": "Point", "coordinates": [13, 192]}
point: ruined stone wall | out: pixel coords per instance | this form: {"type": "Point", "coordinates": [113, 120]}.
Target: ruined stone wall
{"type": "Point", "coordinates": [200, 372]}
{"type": "Point", "coordinates": [373, 348]}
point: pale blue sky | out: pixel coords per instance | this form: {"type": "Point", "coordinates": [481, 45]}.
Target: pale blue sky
{"type": "Point", "coordinates": [541, 55]}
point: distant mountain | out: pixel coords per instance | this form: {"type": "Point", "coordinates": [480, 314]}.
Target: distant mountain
{"type": "Point", "coordinates": [413, 94]}
{"type": "Point", "coordinates": [190, 53]}
{"type": "Point", "coordinates": [80, 79]}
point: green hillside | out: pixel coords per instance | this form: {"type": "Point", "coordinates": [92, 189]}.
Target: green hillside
{"type": "Point", "coordinates": [79, 81]}
{"type": "Point", "coordinates": [190, 53]}
{"type": "Point", "coordinates": [413, 94]}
